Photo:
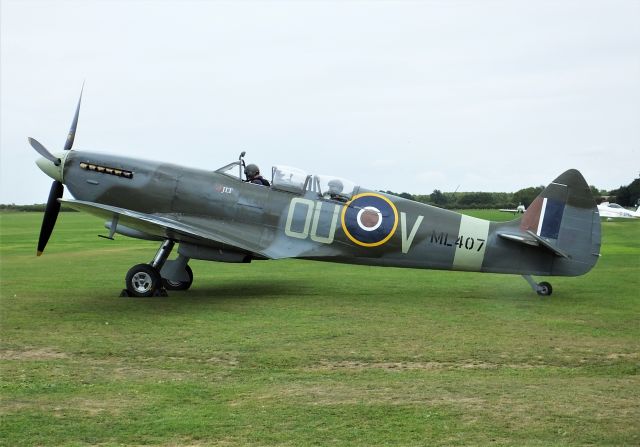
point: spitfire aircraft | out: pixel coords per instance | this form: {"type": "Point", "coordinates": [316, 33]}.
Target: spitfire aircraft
{"type": "Point", "coordinates": [219, 216]}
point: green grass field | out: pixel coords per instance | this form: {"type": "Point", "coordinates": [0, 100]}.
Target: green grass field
{"type": "Point", "coordinates": [302, 353]}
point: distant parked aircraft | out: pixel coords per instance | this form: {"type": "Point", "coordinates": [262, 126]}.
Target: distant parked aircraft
{"type": "Point", "coordinates": [520, 209]}
{"type": "Point", "coordinates": [614, 211]}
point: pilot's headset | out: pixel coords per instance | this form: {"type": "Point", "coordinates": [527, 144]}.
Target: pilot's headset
{"type": "Point", "coordinates": [251, 170]}
{"type": "Point", "coordinates": [335, 186]}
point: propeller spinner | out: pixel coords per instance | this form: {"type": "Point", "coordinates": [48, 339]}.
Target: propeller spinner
{"type": "Point", "coordinates": [52, 165]}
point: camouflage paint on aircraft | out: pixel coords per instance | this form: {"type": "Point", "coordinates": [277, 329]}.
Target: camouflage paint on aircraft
{"type": "Point", "coordinates": [218, 216]}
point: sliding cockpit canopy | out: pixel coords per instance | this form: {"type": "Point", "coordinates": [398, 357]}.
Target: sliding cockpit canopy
{"type": "Point", "coordinates": [294, 180]}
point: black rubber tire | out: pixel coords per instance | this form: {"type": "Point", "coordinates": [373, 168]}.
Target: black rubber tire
{"type": "Point", "coordinates": [143, 280]}
{"type": "Point", "coordinates": [179, 285]}
{"type": "Point", "coordinates": [544, 289]}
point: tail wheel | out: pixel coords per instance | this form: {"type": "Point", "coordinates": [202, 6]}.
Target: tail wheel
{"type": "Point", "coordinates": [143, 280]}
{"type": "Point", "coordinates": [179, 285]}
{"type": "Point", "coordinates": [544, 289]}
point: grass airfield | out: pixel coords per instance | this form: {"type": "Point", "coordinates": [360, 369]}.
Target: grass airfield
{"type": "Point", "coordinates": [304, 353]}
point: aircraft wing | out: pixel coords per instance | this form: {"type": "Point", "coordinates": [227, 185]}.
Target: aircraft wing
{"type": "Point", "coordinates": [217, 234]}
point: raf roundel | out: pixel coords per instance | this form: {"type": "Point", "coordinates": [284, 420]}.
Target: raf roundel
{"type": "Point", "coordinates": [369, 219]}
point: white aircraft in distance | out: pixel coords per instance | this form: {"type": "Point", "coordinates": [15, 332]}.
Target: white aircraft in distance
{"type": "Point", "coordinates": [519, 210]}
{"type": "Point", "coordinates": [614, 211]}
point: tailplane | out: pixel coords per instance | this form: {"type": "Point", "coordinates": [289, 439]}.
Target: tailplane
{"type": "Point", "coordinates": [564, 219]}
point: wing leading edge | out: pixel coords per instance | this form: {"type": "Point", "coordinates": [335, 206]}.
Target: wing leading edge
{"type": "Point", "coordinates": [163, 227]}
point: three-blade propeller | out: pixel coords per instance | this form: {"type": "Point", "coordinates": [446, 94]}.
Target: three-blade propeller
{"type": "Point", "coordinates": [57, 189]}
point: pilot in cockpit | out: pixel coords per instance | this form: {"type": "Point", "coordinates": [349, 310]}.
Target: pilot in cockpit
{"type": "Point", "coordinates": [253, 175]}
{"type": "Point", "coordinates": [335, 190]}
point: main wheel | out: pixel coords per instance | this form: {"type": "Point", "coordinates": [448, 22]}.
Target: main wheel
{"type": "Point", "coordinates": [179, 285]}
{"type": "Point", "coordinates": [544, 289]}
{"type": "Point", "coordinates": [143, 280]}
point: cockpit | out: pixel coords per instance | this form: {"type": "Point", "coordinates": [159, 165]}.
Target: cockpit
{"type": "Point", "coordinates": [297, 181]}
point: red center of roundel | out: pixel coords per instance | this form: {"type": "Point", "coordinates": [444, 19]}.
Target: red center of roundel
{"type": "Point", "coordinates": [370, 218]}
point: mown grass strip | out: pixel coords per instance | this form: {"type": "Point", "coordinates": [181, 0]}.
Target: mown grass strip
{"type": "Point", "coordinates": [309, 353]}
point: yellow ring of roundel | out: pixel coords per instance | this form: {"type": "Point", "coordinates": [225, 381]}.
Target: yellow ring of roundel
{"type": "Point", "coordinates": [372, 244]}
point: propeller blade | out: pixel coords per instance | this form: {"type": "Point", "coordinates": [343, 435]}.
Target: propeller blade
{"type": "Point", "coordinates": [50, 215]}
{"type": "Point", "coordinates": [72, 131]}
{"type": "Point", "coordinates": [43, 151]}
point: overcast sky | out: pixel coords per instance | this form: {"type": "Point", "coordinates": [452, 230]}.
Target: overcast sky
{"type": "Point", "coordinates": [405, 96]}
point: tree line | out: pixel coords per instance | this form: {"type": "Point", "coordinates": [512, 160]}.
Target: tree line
{"type": "Point", "coordinates": [39, 207]}
{"type": "Point", "coordinates": [627, 195]}
{"type": "Point", "coordinates": [468, 200]}
{"type": "Point", "coordinates": [624, 195]}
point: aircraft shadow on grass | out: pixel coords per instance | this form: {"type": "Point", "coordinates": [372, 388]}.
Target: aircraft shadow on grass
{"type": "Point", "coordinates": [222, 216]}
{"type": "Point", "coordinates": [272, 289]}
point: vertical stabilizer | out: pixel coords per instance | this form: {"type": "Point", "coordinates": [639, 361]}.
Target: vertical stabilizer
{"type": "Point", "coordinates": [565, 216]}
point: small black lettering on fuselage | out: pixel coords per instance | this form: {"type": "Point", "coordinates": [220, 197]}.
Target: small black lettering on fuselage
{"type": "Point", "coordinates": [467, 243]}
{"type": "Point", "coordinates": [440, 238]}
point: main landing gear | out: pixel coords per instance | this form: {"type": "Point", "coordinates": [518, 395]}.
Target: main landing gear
{"type": "Point", "coordinates": [541, 288]}
{"type": "Point", "coordinates": [176, 284]}
{"type": "Point", "coordinates": [160, 275]}
{"type": "Point", "coordinates": [143, 280]}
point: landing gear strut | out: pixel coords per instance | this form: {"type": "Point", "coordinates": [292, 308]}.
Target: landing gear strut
{"type": "Point", "coordinates": [542, 288]}
{"type": "Point", "coordinates": [144, 280]}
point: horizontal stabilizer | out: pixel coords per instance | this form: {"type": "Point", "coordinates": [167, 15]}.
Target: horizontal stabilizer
{"type": "Point", "coordinates": [533, 240]}
{"type": "Point", "coordinates": [519, 238]}
{"type": "Point", "coordinates": [547, 245]}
